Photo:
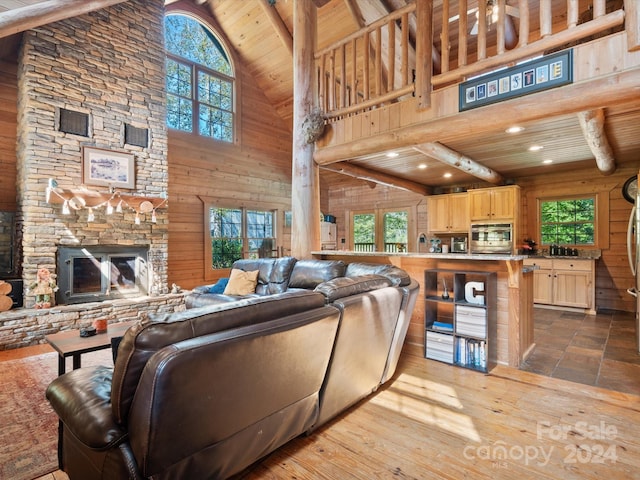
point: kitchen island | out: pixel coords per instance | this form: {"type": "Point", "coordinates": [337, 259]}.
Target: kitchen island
{"type": "Point", "coordinates": [514, 316]}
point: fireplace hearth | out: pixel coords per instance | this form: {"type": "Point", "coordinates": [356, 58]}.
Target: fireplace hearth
{"type": "Point", "coordinates": [97, 273]}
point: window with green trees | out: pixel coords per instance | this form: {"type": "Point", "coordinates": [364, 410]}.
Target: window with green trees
{"type": "Point", "coordinates": [240, 233]}
{"type": "Point", "coordinates": [364, 232]}
{"type": "Point", "coordinates": [396, 225]}
{"type": "Point", "coordinates": [380, 231]}
{"type": "Point", "coordinates": [568, 221]}
{"type": "Point", "coordinates": [199, 79]}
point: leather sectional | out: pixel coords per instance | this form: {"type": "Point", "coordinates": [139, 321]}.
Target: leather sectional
{"type": "Point", "coordinates": [206, 392]}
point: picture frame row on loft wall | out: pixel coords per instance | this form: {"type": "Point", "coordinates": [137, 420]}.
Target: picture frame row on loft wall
{"type": "Point", "coordinates": [543, 73]}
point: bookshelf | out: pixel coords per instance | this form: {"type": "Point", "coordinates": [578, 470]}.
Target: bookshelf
{"type": "Point", "coordinates": [460, 318]}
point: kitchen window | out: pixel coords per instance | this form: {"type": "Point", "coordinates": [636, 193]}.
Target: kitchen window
{"type": "Point", "coordinates": [380, 230]}
{"type": "Point", "coordinates": [568, 221]}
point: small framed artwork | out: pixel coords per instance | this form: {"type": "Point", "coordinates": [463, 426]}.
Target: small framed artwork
{"type": "Point", "coordinates": [108, 168]}
{"type": "Point", "coordinates": [287, 218]}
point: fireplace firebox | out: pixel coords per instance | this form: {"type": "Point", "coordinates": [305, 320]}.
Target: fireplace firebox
{"type": "Point", "coordinates": [93, 274]}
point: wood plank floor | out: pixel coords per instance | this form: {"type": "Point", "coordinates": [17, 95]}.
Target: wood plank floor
{"type": "Point", "coordinates": [438, 421]}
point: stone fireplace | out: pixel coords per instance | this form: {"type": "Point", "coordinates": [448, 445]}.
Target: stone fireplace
{"type": "Point", "coordinates": [91, 274]}
{"type": "Point", "coordinates": [106, 67]}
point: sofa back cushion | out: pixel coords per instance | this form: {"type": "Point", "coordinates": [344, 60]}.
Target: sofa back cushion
{"type": "Point", "coordinates": [141, 341]}
{"type": "Point", "coordinates": [281, 274]}
{"type": "Point", "coordinates": [263, 265]}
{"type": "Point", "coordinates": [274, 273]}
{"type": "Point", "coordinates": [346, 286]}
{"type": "Point", "coordinates": [398, 276]}
{"type": "Point", "coordinates": [309, 274]}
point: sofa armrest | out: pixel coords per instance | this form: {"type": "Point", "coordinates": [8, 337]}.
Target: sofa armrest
{"type": "Point", "coordinates": [346, 286]}
{"type": "Point", "coordinates": [82, 400]}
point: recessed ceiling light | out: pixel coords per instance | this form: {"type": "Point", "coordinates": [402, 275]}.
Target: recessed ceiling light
{"type": "Point", "coordinates": [535, 148]}
{"type": "Point", "coordinates": [447, 175]}
{"type": "Point", "coordinates": [422, 166]}
{"type": "Point", "coordinates": [392, 154]}
{"type": "Point", "coordinates": [514, 129]}
{"type": "Point", "coordinates": [547, 161]}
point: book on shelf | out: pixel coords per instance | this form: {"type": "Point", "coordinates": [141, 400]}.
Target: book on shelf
{"type": "Point", "coordinates": [472, 353]}
{"type": "Point", "coordinates": [447, 327]}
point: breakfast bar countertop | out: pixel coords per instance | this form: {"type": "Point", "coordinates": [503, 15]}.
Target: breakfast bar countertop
{"type": "Point", "coordinates": [446, 256]}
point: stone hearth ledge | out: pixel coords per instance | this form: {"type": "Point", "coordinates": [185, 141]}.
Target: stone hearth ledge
{"type": "Point", "coordinates": [24, 327]}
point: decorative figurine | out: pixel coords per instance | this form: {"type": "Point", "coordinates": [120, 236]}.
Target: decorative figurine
{"type": "Point", "coordinates": [43, 288]}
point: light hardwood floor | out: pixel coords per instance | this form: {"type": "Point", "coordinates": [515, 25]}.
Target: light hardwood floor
{"type": "Point", "coordinates": [439, 421]}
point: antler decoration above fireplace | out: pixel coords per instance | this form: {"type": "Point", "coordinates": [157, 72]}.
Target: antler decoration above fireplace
{"type": "Point", "coordinates": [79, 198]}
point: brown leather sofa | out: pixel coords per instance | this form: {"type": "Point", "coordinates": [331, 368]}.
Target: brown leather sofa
{"type": "Point", "coordinates": [206, 392]}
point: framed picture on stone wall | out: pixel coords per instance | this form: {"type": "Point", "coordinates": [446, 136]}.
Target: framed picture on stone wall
{"type": "Point", "coordinates": [108, 168]}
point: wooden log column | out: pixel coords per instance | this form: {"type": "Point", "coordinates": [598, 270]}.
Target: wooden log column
{"type": "Point", "coordinates": [305, 189]}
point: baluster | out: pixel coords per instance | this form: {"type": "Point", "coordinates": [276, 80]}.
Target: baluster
{"type": "Point", "coordinates": [572, 13]}
{"type": "Point", "coordinates": [462, 33]}
{"type": "Point", "coordinates": [482, 30]}
{"type": "Point", "coordinates": [343, 76]}
{"type": "Point", "coordinates": [545, 18]}
{"type": "Point", "coordinates": [444, 38]}
{"type": "Point", "coordinates": [354, 69]}
{"type": "Point", "coordinates": [599, 8]}
{"type": "Point", "coordinates": [391, 62]}
{"type": "Point", "coordinates": [523, 7]}
{"type": "Point", "coordinates": [365, 59]}
{"type": "Point", "coordinates": [404, 68]}
{"type": "Point", "coordinates": [500, 28]}
{"type": "Point", "coordinates": [378, 64]}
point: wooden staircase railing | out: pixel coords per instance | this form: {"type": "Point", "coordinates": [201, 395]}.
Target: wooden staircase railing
{"type": "Point", "coordinates": [384, 63]}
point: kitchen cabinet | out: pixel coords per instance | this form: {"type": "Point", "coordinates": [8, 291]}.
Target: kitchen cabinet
{"type": "Point", "coordinates": [499, 203]}
{"type": "Point", "coordinates": [448, 213]}
{"type": "Point", "coordinates": [328, 235]}
{"type": "Point", "coordinates": [564, 282]}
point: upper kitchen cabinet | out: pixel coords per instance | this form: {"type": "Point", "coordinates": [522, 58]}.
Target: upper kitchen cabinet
{"type": "Point", "coordinates": [448, 213]}
{"type": "Point", "coordinates": [499, 203]}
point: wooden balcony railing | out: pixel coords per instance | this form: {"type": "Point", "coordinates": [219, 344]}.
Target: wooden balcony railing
{"type": "Point", "coordinates": [385, 61]}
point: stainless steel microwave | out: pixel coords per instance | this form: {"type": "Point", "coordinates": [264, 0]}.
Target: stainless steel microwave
{"type": "Point", "coordinates": [491, 238]}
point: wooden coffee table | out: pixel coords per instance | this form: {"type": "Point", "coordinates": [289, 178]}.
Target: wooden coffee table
{"type": "Point", "coordinates": [69, 343]}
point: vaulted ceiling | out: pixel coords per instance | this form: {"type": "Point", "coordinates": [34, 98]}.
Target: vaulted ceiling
{"type": "Point", "coordinates": [260, 33]}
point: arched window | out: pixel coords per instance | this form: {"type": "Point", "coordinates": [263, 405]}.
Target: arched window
{"type": "Point", "coordinates": [200, 80]}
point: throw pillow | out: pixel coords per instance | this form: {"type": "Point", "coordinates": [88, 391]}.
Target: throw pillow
{"type": "Point", "coordinates": [219, 286]}
{"type": "Point", "coordinates": [241, 282]}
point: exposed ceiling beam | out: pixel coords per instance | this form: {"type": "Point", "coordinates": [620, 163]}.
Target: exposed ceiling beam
{"type": "Point", "coordinates": [592, 124]}
{"type": "Point", "coordinates": [278, 24]}
{"type": "Point", "coordinates": [373, 176]}
{"type": "Point", "coordinates": [31, 16]}
{"type": "Point", "coordinates": [445, 155]}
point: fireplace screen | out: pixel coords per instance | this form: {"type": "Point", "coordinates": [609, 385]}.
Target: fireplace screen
{"type": "Point", "coordinates": [100, 273]}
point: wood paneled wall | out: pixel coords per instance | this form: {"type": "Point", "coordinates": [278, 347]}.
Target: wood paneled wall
{"type": "Point", "coordinates": [8, 133]}
{"type": "Point", "coordinates": [255, 173]}
{"type": "Point", "coordinates": [613, 275]}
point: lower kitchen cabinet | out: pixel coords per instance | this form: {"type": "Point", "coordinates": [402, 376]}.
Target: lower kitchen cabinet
{"type": "Point", "coordinates": [460, 318]}
{"type": "Point", "coordinates": [564, 282]}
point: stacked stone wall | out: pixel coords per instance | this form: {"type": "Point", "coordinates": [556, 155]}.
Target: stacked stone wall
{"type": "Point", "coordinates": [109, 65]}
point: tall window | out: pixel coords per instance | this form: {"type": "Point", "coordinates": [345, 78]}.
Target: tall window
{"type": "Point", "coordinates": [568, 221]}
{"type": "Point", "coordinates": [380, 231]}
{"type": "Point", "coordinates": [240, 233]}
{"type": "Point", "coordinates": [200, 81]}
